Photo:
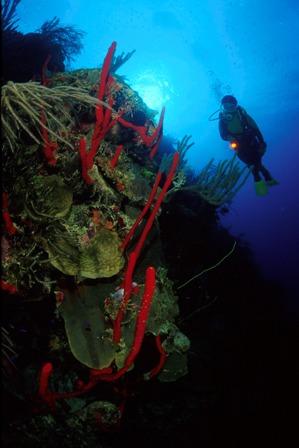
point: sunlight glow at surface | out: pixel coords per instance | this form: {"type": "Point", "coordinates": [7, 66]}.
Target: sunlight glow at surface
{"type": "Point", "coordinates": [153, 89]}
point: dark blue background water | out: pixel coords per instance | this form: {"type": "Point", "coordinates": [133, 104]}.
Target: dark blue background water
{"type": "Point", "coordinates": [189, 53]}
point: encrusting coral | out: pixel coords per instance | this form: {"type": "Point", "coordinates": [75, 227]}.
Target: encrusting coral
{"type": "Point", "coordinates": [83, 183]}
{"type": "Point", "coordinates": [78, 207]}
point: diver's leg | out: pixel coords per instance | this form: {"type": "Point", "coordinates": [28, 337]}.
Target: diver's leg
{"type": "Point", "coordinates": [260, 186]}
{"type": "Point", "coordinates": [266, 173]}
{"type": "Point", "coordinates": [261, 169]}
{"type": "Point", "coordinates": [255, 172]}
{"type": "Point", "coordinates": [271, 182]}
{"type": "Point", "coordinates": [267, 176]}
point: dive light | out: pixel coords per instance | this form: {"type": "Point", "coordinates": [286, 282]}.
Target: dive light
{"type": "Point", "coordinates": [234, 145]}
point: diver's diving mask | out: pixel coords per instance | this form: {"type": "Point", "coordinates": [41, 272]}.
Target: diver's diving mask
{"type": "Point", "coordinates": [229, 107]}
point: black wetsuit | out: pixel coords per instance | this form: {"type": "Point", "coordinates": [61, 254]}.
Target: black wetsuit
{"type": "Point", "coordinates": [251, 145]}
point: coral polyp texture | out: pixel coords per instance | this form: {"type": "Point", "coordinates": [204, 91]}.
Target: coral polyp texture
{"type": "Point", "coordinates": [78, 211]}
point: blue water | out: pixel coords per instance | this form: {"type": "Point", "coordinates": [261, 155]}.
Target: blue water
{"type": "Point", "coordinates": [189, 53]}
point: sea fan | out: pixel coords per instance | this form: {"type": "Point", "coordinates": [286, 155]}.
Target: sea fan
{"type": "Point", "coordinates": [8, 16]}
{"type": "Point", "coordinates": [66, 38]}
{"type": "Point", "coordinates": [24, 55]}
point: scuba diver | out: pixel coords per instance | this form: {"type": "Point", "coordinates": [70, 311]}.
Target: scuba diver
{"type": "Point", "coordinates": [236, 126]}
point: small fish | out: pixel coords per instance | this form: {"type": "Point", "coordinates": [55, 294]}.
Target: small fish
{"type": "Point", "coordinates": [119, 293]}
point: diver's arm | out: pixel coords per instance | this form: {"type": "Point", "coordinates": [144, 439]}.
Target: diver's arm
{"type": "Point", "coordinates": [224, 134]}
{"type": "Point", "coordinates": [253, 125]}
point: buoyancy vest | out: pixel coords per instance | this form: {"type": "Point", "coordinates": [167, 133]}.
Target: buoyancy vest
{"type": "Point", "coordinates": [237, 123]}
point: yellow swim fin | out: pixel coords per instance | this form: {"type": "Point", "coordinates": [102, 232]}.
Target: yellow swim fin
{"type": "Point", "coordinates": [272, 182]}
{"type": "Point", "coordinates": [261, 188]}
